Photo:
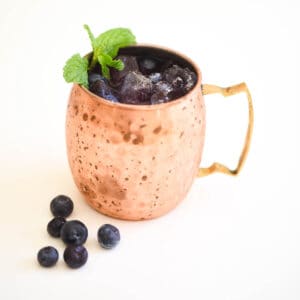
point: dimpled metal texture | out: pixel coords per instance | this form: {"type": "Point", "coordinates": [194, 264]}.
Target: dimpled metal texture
{"type": "Point", "coordinates": [135, 162]}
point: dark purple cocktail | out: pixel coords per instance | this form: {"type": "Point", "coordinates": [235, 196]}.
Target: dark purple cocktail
{"type": "Point", "coordinates": [150, 76]}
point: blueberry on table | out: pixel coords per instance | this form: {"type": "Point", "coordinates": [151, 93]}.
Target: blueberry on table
{"type": "Point", "coordinates": [108, 236]}
{"type": "Point", "coordinates": [75, 256]}
{"type": "Point", "coordinates": [47, 256]}
{"type": "Point", "coordinates": [61, 206]}
{"type": "Point", "coordinates": [74, 233]}
{"type": "Point", "coordinates": [55, 225]}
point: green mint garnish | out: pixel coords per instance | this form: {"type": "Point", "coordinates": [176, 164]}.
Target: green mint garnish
{"type": "Point", "coordinates": [106, 61]}
{"type": "Point", "coordinates": [105, 48]}
{"type": "Point", "coordinates": [76, 69]}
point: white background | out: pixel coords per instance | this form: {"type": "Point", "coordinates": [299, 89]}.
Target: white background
{"type": "Point", "coordinates": [231, 238]}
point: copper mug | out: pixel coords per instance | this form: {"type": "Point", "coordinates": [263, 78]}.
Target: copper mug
{"type": "Point", "coordinates": [137, 162]}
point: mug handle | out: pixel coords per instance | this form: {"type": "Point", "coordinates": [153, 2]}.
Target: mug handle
{"type": "Point", "coordinates": [229, 91]}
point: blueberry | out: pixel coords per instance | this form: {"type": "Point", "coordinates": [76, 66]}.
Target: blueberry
{"type": "Point", "coordinates": [74, 233]}
{"type": "Point", "coordinates": [108, 236]}
{"type": "Point", "coordinates": [55, 225]}
{"type": "Point", "coordinates": [75, 256]}
{"type": "Point", "coordinates": [93, 77]}
{"type": "Point", "coordinates": [47, 256]}
{"type": "Point", "coordinates": [61, 206]}
{"type": "Point", "coordinates": [111, 97]}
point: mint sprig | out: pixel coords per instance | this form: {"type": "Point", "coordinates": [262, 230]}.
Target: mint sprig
{"type": "Point", "coordinates": [105, 48]}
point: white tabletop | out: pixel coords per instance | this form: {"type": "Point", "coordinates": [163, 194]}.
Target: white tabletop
{"type": "Point", "coordinates": [231, 238]}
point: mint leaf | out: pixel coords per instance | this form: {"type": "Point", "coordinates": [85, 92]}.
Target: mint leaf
{"type": "Point", "coordinates": [75, 70]}
{"type": "Point", "coordinates": [112, 40]}
{"type": "Point", "coordinates": [106, 61]}
{"type": "Point", "coordinates": [107, 45]}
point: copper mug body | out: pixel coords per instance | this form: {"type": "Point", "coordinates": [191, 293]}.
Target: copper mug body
{"type": "Point", "coordinates": [137, 162]}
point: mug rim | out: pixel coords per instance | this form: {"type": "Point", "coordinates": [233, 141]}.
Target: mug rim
{"type": "Point", "coordinates": [148, 107]}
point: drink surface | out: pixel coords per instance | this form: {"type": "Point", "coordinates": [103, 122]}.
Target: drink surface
{"type": "Point", "coordinates": [147, 78]}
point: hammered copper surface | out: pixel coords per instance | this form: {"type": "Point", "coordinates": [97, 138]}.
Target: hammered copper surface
{"type": "Point", "coordinates": [134, 162]}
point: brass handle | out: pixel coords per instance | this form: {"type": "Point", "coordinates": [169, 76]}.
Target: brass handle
{"type": "Point", "coordinates": [229, 91]}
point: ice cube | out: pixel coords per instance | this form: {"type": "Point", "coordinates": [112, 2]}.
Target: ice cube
{"type": "Point", "coordinates": [191, 78]}
{"type": "Point", "coordinates": [99, 86]}
{"type": "Point", "coordinates": [149, 65]}
{"type": "Point", "coordinates": [181, 79]}
{"type": "Point", "coordinates": [130, 64]}
{"type": "Point", "coordinates": [155, 77]}
{"type": "Point", "coordinates": [136, 89]}
{"type": "Point", "coordinates": [161, 92]}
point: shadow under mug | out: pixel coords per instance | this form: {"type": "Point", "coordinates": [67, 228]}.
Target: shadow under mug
{"type": "Point", "coordinates": [137, 162]}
